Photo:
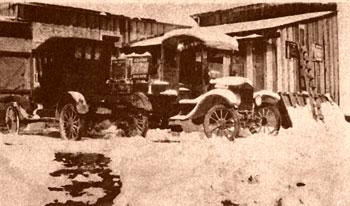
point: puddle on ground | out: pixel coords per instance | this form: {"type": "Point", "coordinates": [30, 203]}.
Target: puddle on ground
{"type": "Point", "coordinates": [87, 172]}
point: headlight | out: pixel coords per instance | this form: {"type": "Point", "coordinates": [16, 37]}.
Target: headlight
{"type": "Point", "coordinates": [258, 100]}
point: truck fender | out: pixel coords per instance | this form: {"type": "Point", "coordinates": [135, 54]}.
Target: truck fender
{"type": "Point", "coordinates": [20, 103]}
{"type": "Point", "coordinates": [79, 100]}
{"type": "Point", "coordinates": [268, 97]}
{"type": "Point", "coordinates": [140, 101]}
{"type": "Point", "coordinates": [209, 99]}
{"type": "Point", "coordinates": [21, 111]}
{"type": "Point", "coordinates": [272, 98]}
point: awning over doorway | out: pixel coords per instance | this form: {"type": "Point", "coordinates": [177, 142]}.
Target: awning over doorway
{"type": "Point", "coordinates": [212, 39]}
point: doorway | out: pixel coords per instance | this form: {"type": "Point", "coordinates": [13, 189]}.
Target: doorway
{"type": "Point", "coordinates": [259, 65]}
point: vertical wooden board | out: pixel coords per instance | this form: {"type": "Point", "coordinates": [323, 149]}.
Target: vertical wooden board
{"type": "Point", "coordinates": [160, 29]}
{"type": "Point", "coordinates": [284, 60]}
{"type": "Point", "coordinates": [321, 64]}
{"type": "Point", "coordinates": [249, 62]}
{"type": "Point", "coordinates": [326, 57]}
{"type": "Point", "coordinates": [117, 26]}
{"type": "Point", "coordinates": [279, 57]}
{"type": "Point", "coordinates": [295, 61]}
{"type": "Point", "coordinates": [153, 29]}
{"type": "Point", "coordinates": [290, 64]}
{"type": "Point", "coordinates": [148, 29]}
{"type": "Point", "coordinates": [274, 66]}
{"type": "Point", "coordinates": [133, 35]}
{"type": "Point", "coordinates": [310, 41]}
{"type": "Point", "coordinates": [316, 64]}
{"type": "Point", "coordinates": [269, 67]}
{"type": "Point", "coordinates": [336, 58]}
{"type": "Point", "coordinates": [331, 56]}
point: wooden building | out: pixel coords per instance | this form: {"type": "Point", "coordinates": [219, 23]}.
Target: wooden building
{"type": "Point", "coordinates": [26, 26]}
{"type": "Point", "coordinates": [277, 42]}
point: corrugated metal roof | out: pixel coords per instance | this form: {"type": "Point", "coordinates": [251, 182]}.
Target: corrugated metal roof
{"type": "Point", "coordinates": [265, 23]}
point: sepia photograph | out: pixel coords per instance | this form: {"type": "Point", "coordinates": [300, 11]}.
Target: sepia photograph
{"type": "Point", "coordinates": [174, 103]}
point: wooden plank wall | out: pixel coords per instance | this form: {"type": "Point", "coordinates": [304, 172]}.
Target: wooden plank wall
{"type": "Point", "coordinates": [140, 29]}
{"type": "Point", "coordinates": [324, 32]}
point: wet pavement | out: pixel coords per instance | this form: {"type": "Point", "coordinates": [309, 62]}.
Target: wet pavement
{"type": "Point", "coordinates": [86, 172]}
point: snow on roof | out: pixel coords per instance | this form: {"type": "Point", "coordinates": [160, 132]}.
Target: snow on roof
{"type": "Point", "coordinates": [251, 36]}
{"type": "Point", "coordinates": [214, 38]}
{"type": "Point", "coordinates": [149, 42]}
{"type": "Point", "coordinates": [211, 34]}
{"type": "Point", "coordinates": [124, 56]}
{"type": "Point", "coordinates": [264, 23]}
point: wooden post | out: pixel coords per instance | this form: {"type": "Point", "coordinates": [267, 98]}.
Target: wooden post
{"type": "Point", "coordinates": [291, 87]}
{"type": "Point", "coordinates": [326, 53]}
{"type": "Point", "coordinates": [269, 68]}
{"type": "Point", "coordinates": [279, 54]}
{"type": "Point", "coordinates": [204, 59]}
{"type": "Point", "coordinates": [161, 66]}
{"type": "Point", "coordinates": [226, 65]}
{"type": "Point", "coordinates": [249, 61]}
{"type": "Point", "coordinates": [284, 60]}
{"type": "Point", "coordinates": [321, 42]}
{"type": "Point", "coordinates": [331, 55]}
{"type": "Point", "coordinates": [175, 82]}
{"type": "Point", "coordinates": [336, 59]}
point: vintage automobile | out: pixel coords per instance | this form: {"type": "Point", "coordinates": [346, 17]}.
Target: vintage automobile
{"type": "Point", "coordinates": [232, 104]}
{"type": "Point", "coordinates": [200, 68]}
{"type": "Point", "coordinates": [71, 88]}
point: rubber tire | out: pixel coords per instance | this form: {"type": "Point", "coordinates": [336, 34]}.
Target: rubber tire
{"type": "Point", "coordinates": [274, 109]}
{"type": "Point", "coordinates": [61, 123]}
{"type": "Point", "coordinates": [16, 115]}
{"type": "Point", "coordinates": [207, 118]}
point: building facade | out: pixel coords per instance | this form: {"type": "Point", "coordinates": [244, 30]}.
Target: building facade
{"type": "Point", "coordinates": [283, 44]}
{"type": "Point", "coordinates": [26, 26]}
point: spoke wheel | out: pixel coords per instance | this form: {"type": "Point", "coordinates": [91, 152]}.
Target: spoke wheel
{"type": "Point", "coordinates": [221, 121]}
{"type": "Point", "coordinates": [138, 124]}
{"type": "Point", "coordinates": [268, 120]}
{"type": "Point", "coordinates": [69, 123]}
{"type": "Point", "coordinates": [12, 120]}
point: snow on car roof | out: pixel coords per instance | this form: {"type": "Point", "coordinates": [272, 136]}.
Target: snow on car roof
{"type": "Point", "coordinates": [231, 81]}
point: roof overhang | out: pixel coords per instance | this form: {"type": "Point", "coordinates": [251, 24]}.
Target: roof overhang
{"type": "Point", "coordinates": [212, 39]}
{"type": "Point", "coordinates": [265, 23]}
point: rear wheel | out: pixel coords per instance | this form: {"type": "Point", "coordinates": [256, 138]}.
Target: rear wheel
{"type": "Point", "coordinates": [268, 120]}
{"type": "Point", "coordinates": [12, 120]}
{"type": "Point", "coordinates": [138, 124]}
{"type": "Point", "coordinates": [69, 123]}
{"type": "Point", "coordinates": [221, 121]}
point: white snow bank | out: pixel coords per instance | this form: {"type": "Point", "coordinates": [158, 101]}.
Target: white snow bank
{"type": "Point", "coordinates": [257, 170]}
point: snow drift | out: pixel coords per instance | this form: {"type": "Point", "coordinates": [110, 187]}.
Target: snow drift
{"type": "Point", "coordinates": [305, 165]}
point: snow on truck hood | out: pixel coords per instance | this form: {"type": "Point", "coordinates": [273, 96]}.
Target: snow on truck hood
{"type": "Point", "coordinates": [230, 81]}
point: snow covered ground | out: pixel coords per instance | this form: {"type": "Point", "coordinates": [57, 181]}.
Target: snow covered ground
{"type": "Point", "coordinates": [306, 165]}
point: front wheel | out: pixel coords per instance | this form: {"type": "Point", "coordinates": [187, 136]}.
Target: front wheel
{"type": "Point", "coordinates": [138, 124]}
{"type": "Point", "coordinates": [268, 120]}
{"type": "Point", "coordinates": [69, 123]}
{"type": "Point", "coordinates": [221, 121]}
{"type": "Point", "coordinates": [12, 120]}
